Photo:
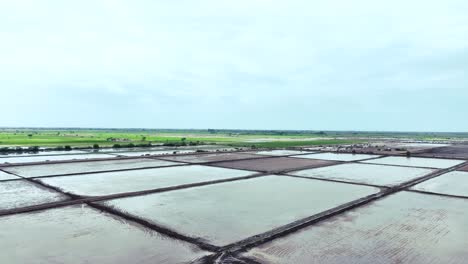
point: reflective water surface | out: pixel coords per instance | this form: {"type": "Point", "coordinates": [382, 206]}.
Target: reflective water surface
{"type": "Point", "coordinates": [417, 162]}
{"type": "Point", "coordinates": [6, 176]}
{"type": "Point", "coordinates": [54, 158]}
{"type": "Point", "coordinates": [81, 167]}
{"type": "Point", "coordinates": [228, 212]}
{"type": "Point", "coordinates": [452, 183]}
{"type": "Point", "coordinates": [403, 228]}
{"type": "Point", "coordinates": [366, 173]}
{"type": "Point", "coordinates": [20, 193]}
{"type": "Point", "coordinates": [79, 234]}
{"type": "Point", "coordinates": [97, 184]}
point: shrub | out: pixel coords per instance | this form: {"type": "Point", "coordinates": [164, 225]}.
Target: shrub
{"type": "Point", "coordinates": [95, 146]}
{"type": "Point", "coordinates": [33, 149]}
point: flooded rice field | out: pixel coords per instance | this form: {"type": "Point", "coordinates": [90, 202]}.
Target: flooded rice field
{"type": "Point", "coordinates": [403, 228]}
{"type": "Point", "coordinates": [198, 158]}
{"type": "Point", "coordinates": [80, 234]}
{"type": "Point", "coordinates": [43, 153]}
{"type": "Point", "coordinates": [452, 183]}
{"type": "Point", "coordinates": [338, 156]}
{"type": "Point", "coordinates": [20, 193]}
{"type": "Point", "coordinates": [273, 164]}
{"type": "Point", "coordinates": [195, 205]}
{"type": "Point", "coordinates": [228, 212]}
{"type": "Point", "coordinates": [6, 176]}
{"type": "Point", "coordinates": [98, 184]}
{"type": "Point", "coordinates": [417, 162]}
{"type": "Point", "coordinates": [282, 152]}
{"type": "Point", "coordinates": [366, 173]}
{"type": "Point", "coordinates": [151, 153]}
{"type": "Point", "coordinates": [84, 167]}
{"type": "Point", "coordinates": [39, 158]}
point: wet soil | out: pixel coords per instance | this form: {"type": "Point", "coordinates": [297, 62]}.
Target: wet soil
{"type": "Point", "coordinates": [274, 164]}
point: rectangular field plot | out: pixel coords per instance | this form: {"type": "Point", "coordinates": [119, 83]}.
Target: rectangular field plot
{"type": "Point", "coordinates": [83, 167]}
{"type": "Point", "coordinates": [402, 228]}
{"type": "Point", "coordinates": [417, 162]}
{"type": "Point", "coordinates": [6, 176]}
{"type": "Point", "coordinates": [98, 184]}
{"type": "Point", "coordinates": [273, 164]}
{"type": "Point", "coordinates": [13, 160]}
{"type": "Point", "coordinates": [228, 212]}
{"type": "Point", "coordinates": [45, 153]}
{"type": "Point", "coordinates": [20, 193]}
{"type": "Point", "coordinates": [152, 153]}
{"type": "Point", "coordinates": [282, 152]}
{"type": "Point", "coordinates": [452, 183]}
{"type": "Point", "coordinates": [80, 234]}
{"type": "Point", "coordinates": [338, 156]}
{"type": "Point", "coordinates": [365, 173]}
{"type": "Point", "coordinates": [212, 157]}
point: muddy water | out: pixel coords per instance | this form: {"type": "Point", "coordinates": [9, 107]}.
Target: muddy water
{"type": "Point", "coordinates": [416, 162]}
{"type": "Point", "coordinates": [366, 173]}
{"type": "Point", "coordinates": [81, 167]}
{"type": "Point", "coordinates": [6, 176]}
{"type": "Point", "coordinates": [452, 183]}
{"type": "Point", "coordinates": [53, 158]}
{"type": "Point", "coordinates": [282, 152]}
{"type": "Point", "coordinates": [83, 235]}
{"type": "Point", "coordinates": [337, 156]}
{"type": "Point", "coordinates": [228, 212]}
{"type": "Point", "coordinates": [16, 194]}
{"type": "Point", "coordinates": [403, 228]}
{"type": "Point", "coordinates": [97, 184]}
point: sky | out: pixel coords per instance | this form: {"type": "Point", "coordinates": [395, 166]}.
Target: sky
{"type": "Point", "coordinates": [248, 64]}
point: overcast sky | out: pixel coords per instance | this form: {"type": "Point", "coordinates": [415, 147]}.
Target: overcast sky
{"type": "Point", "coordinates": [253, 64]}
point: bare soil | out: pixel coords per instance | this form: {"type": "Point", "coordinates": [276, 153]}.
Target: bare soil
{"type": "Point", "coordinates": [212, 157]}
{"type": "Point", "coordinates": [454, 151]}
{"type": "Point", "coordinates": [274, 164]}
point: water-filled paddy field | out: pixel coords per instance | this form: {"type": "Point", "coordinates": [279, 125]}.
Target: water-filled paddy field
{"type": "Point", "coordinates": [264, 206]}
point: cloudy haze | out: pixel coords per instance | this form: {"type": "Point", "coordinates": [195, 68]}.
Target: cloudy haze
{"type": "Point", "coordinates": [253, 64]}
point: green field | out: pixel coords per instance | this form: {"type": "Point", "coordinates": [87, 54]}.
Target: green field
{"type": "Point", "coordinates": [27, 137]}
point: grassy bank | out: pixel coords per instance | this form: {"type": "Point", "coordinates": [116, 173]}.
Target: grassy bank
{"type": "Point", "coordinates": [84, 138]}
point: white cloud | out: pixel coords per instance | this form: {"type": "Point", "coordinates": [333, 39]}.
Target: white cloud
{"type": "Point", "coordinates": [345, 60]}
